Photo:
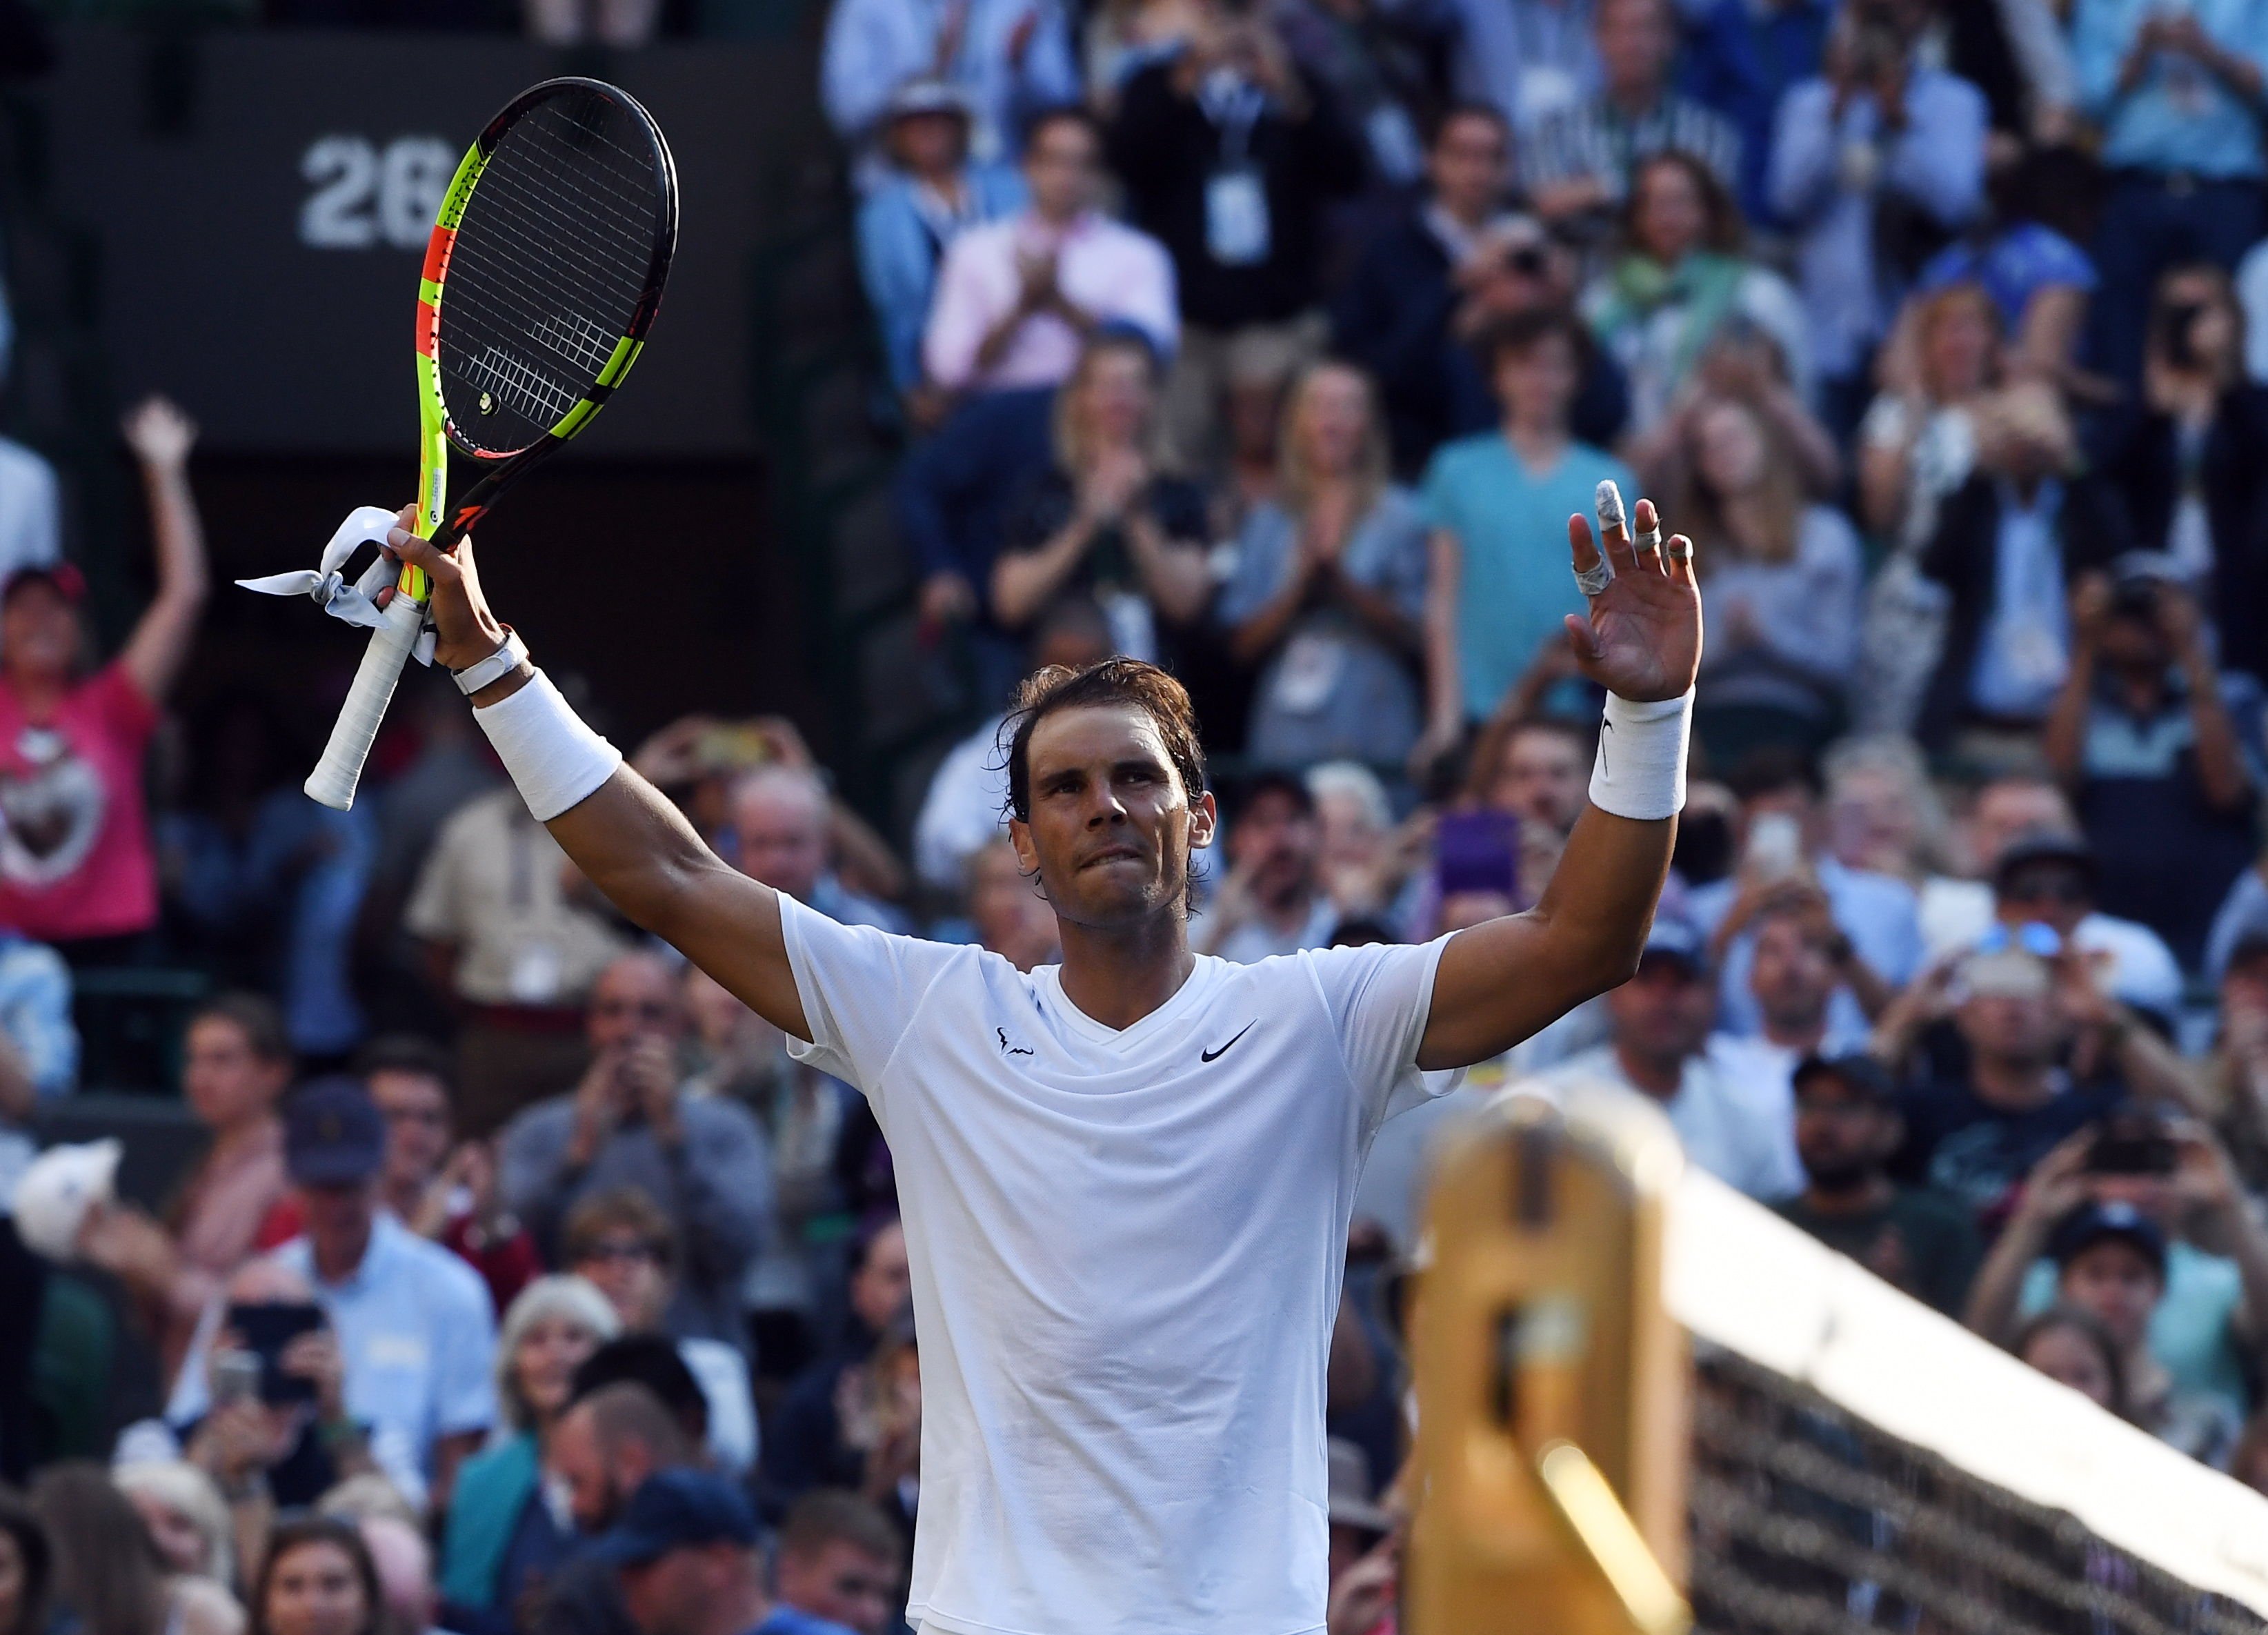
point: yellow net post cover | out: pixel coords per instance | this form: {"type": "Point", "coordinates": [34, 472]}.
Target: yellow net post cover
{"type": "Point", "coordinates": [1552, 1382]}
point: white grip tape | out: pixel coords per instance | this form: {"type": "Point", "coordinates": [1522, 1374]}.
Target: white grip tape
{"type": "Point", "coordinates": [556, 759]}
{"type": "Point", "coordinates": [334, 779]}
{"type": "Point", "coordinates": [1641, 771]}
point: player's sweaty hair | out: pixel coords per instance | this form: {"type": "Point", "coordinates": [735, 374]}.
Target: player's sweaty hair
{"type": "Point", "coordinates": [1113, 682]}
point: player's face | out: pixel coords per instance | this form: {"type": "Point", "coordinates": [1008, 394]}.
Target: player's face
{"type": "Point", "coordinates": [1111, 827]}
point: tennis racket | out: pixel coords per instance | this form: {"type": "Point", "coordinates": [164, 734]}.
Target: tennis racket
{"type": "Point", "coordinates": [542, 278]}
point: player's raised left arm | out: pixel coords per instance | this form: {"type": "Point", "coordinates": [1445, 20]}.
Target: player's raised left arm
{"type": "Point", "coordinates": [1500, 982]}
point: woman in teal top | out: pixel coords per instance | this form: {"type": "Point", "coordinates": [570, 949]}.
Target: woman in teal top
{"type": "Point", "coordinates": [502, 1531]}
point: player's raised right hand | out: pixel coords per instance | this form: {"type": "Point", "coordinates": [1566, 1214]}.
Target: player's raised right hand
{"type": "Point", "coordinates": [465, 631]}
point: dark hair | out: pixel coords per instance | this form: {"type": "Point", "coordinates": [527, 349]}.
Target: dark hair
{"type": "Point", "coordinates": [1466, 107]}
{"type": "Point", "coordinates": [1062, 114]}
{"type": "Point", "coordinates": [253, 1015]}
{"type": "Point", "coordinates": [827, 1515]}
{"type": "Point", "coordinates": [1273, 781]}
{"type": "Point", "coordinates": [1516, 333]}
{"type": "Point", "coordinates": [1771, 770]}
{"type": "Point", "coordinates": [2089, 1327]}
{"type": "Point", "coordinates": [650, 1362]}
{"type": "Point", "coordinates": [299, 1534]}
{"type": "Point", "coordinates": [862, 1246]}
{"type": "Point", "coordinates": [612, 1209]}
{"type": "Point", "coordinates": [1113, 682]}
{"type": "Point", "coordinates": [1361, 931]}
{"type": "Point", "coordinates": [104, 1566]}
{"type": "Point", "coordinates": [407, 1053]}
{"type": "Point", "coordinates": [1721, 215]}
{"type": "Point", "coordinates": [17, 1520]}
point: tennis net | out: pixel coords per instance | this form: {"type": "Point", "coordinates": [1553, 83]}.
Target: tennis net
{"type": "Point", "coordinates": [1861, 1463]}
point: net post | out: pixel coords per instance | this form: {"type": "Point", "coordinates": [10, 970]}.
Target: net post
{"type": "Point", "coordinates": [1551, 1381]}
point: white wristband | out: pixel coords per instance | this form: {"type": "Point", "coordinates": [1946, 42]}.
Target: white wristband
{"type": "Point", "coordinates": [555, 760]}
{"type": "Point", "coordinates": [1641, 771]}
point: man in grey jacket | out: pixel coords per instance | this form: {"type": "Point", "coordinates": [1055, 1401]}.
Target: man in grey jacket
{"type": "Point", "coordinates": [630, 1123]}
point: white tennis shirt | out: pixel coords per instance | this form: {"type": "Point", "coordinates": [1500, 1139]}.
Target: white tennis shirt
{"type": "Point", "coordinates": [1126, 1248]}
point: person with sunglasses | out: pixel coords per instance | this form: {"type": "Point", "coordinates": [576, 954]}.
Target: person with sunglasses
{"type": "Point", "coordinates": [630, 1123]}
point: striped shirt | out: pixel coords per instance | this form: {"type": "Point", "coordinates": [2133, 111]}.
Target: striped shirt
{"type": "Point", "coordinates": [1598, 139]}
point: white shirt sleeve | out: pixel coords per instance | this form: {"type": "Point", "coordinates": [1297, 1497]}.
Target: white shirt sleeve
{"type": "Point", "coordinates": [1379, 999]}
{"type": "Point", "coordinates": [861, 989]}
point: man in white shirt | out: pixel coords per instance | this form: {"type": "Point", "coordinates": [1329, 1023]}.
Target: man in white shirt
{"type": "Point", "coordinates": [1736, 1123]}
{"type": "Point", "coordinates": [1126, 1179]}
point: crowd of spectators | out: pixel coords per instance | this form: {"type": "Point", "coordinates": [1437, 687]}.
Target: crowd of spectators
{"type": "Point", "coordinates": [1273, 341]}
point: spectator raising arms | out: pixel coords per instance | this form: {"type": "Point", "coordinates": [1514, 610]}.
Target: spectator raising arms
{"type": "Point", "coordinates": [2176, 93]}
{"type": "Point", "coordinates": [1016, 298]}
{"type": "Point", "coordinates": [77, 869]}
{"type": "Point", "coordinates": [1108, 520]}
{"type": "Point", "coordinates": [1228, 155]}
{"type": "Point", "coordinates": [2009, 544]}
{"type": "Point", "coordinates": [2183, 458]}
{"type": "Point", "coordinates": [1875, 164]}
{"type": "Point", "coordinates": [1329, 593]}
{"type": "Point", "coordinates": [2142, 736]}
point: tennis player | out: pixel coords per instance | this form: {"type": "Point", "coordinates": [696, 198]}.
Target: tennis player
{"type": "Point", "coordinates": [1126, 1179]}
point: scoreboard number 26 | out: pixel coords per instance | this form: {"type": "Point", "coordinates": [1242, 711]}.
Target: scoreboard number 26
{"type": "Point", "coordinates": [365, 196]}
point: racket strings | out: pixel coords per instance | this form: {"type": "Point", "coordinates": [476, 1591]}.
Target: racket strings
{"type": "Point", "coordinates": [552, 258]}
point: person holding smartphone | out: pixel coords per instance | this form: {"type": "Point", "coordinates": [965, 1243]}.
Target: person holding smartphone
{"type": "Point", "coordinates": [2139, 1217]}
{"type": "Point", "coordinates": [276, 1432]}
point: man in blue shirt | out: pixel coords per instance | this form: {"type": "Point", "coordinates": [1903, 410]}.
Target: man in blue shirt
{"type": "Point", "coordinates": [691, 1556]}
{"type": "Point", "coordinates": [413, 1321]}
{"type": "Point", "coordinates": [2177, 91]}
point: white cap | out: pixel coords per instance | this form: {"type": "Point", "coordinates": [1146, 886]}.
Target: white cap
{"type": "Point", "coordinates": [55, 1193]}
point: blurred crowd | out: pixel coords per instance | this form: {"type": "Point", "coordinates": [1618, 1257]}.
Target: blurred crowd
{"type": "Point", "coordinates": [526, 1282]}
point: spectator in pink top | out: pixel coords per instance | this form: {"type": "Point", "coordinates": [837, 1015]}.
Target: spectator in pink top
{"type": "Point", "coordinates": [1017, 298]}
{"type": "Point", "coordinates": [76, 864]}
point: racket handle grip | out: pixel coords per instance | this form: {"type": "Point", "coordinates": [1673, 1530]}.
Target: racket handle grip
{"type": "Point", "coordinates": [333, 780]}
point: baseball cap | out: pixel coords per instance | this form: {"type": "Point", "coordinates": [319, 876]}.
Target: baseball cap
{"type": "Point", "coordinates": [2090, 1224]}
{"type": "Point", "coordinates": [679, 1509]}
{"type": "Point", "coordinates": [1672, 937]}
{"type": "Point", "coordinates": [1858, 1073]}
{"type": "Point", "coordinates": [333, 1135]}
{"type": "Point", "coordinates": [55, 1191]}
{"type": "Point", "coordinates": [2044, 845]}
{"type": "Point", "coordinates": [1350, 1503]}
{"type": "Point", "coordinates": [62, 578]}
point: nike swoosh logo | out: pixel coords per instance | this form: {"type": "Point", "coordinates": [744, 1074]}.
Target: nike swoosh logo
{"type": "Point", "coordinates": [1214, 1056]}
